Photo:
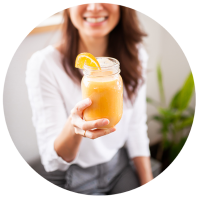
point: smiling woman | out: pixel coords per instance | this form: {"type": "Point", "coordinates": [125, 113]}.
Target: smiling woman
{"type": "Point", "coordinates": [100, 166]}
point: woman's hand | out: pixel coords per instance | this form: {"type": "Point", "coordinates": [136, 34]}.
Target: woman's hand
{"type": "Point", "coordinates": [84, 128]}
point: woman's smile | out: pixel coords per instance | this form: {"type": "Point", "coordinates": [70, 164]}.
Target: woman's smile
{"type": "Point", "coordinates": [95, 21]}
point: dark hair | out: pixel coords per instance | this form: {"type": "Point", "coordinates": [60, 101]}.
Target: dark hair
{"type": "Point", "coordinates": [122, 45]}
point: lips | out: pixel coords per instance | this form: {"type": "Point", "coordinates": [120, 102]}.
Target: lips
{"type": "Point", "coordinates": [95, 20]}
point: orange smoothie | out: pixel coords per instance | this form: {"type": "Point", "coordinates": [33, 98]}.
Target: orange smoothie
{"type": "Point", "coordinates": [106, 92]}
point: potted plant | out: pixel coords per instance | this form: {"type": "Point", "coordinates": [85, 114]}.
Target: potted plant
{"type": "Point", "coordinates": [175, 119]}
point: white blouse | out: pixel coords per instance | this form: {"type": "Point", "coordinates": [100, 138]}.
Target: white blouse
{"type": "Point", "coordinates": [52, 95]}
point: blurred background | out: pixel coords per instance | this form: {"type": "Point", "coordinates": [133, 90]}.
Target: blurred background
{"type": "Point", "coordinates": [163, 82]}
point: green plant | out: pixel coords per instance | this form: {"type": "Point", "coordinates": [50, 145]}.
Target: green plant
{"type": "Point", "coordinates": [176, 118]}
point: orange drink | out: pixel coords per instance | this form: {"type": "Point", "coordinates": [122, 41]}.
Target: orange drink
{"type": "Point", "coordinates": [105, 88]}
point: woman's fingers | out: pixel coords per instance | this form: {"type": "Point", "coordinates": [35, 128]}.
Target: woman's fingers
{"type": "Point", "coordinates": [81, 106]}
{"type": "Point", "coordinates": [77, 120]}
{"type": "Point", "coordinates": [88, 125]}
{"type": "Point", "coordinates": [79, 131]}
{"type": "Point", "coordinates": [85, 127]}
{"type": "Point", "coordinates": [93, 134]}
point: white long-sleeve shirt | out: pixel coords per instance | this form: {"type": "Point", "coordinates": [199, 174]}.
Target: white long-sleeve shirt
{"type": "Point", "coordinates": [52, 95]}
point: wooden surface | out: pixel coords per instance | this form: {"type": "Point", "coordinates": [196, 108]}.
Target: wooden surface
{"type": "Point", "coordinates": [52, 23]}
{"type": "Point", "coordinates": [43, 29]}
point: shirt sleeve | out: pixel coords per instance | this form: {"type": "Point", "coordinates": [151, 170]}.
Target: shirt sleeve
{"type": "Point", "coordinates": [48, 110]}
{"type": "Point", "coordinates": [137, 143]}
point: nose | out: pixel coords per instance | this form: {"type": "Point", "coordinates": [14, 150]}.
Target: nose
{"type": "Point", "coordinates": [94, 7]}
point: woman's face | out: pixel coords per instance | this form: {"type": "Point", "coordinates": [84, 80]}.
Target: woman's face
{"type": "Point", "coordinates": [96, 19]}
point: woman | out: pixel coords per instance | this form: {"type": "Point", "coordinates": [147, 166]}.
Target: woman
{"type": "Point", "coordinates": [66, 142]}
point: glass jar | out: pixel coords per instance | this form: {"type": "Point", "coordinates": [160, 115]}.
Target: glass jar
{"type": "Point", "coordinates": [105, 88]}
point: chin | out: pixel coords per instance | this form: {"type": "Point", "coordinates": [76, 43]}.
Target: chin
{"type": "Point", "coordinates": [97, 34]}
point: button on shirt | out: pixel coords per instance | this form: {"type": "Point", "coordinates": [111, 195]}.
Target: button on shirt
{"type": "Point", "coordinates": [52, 95]}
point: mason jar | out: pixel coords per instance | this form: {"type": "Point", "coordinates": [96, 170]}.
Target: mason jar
{"type": "Point", "coordinates": [105, 89]}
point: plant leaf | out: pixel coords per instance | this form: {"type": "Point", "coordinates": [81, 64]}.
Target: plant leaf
{"type": "Point", "coordinates": [151, 101]}
{"type": "Point", "coordinates": [157, 118]}
{"type": "Point", "coordinates": [186, 93]}
{"type": "Point", "coordinates": [184, 117]}
{"type": "Point", "coordinates": [175, 100]}
{"type": "Point", "coordinates": [160, 84]}
{"type": "Point", "coordinates": [185, 123]}
{"type": "Point", "coordinates": [165, 112]}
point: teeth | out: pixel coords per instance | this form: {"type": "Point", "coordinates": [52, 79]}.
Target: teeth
{"type": "Point", "coordinates": [100, 19]}
{"type": "Point", "coordinates": [95, 20]}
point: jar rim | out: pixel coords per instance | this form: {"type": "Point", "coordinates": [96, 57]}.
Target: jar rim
{"type": "Point", "coordinates": [115, 73]}
{"type": "Point", "coordinates": [114, 60]}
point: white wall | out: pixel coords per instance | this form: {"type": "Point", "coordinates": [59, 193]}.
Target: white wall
{"type": "Point", "coordinates": [160, 46]}
{"type": "Point", "coordinates": [153, 44]}
{"type": "Point", "coordinates": [16, 105]}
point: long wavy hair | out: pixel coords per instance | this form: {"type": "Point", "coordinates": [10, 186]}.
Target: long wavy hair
{"type": "Point", "coordinates": [122, 44]}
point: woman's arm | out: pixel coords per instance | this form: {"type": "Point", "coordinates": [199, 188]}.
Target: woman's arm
{"type": "Point", "coordinates": [143, 167]}
{"type": "Point", "coordinates": [67, 143]}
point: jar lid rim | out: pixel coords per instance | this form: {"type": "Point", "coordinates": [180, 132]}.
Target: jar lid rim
{"type": "Point", "coordinates": [114, 60]}
{"type": "Point", "coordinates": [115, 73]}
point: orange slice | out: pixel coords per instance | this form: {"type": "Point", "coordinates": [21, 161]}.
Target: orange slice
{"type": "Point", "coordinates": [88, 59]}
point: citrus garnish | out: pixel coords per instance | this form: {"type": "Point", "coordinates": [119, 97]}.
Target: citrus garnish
{"type": "Point", "coordinates": [88, 59]}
